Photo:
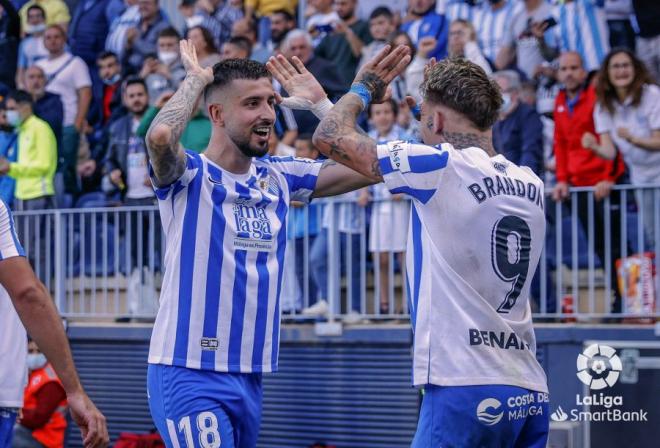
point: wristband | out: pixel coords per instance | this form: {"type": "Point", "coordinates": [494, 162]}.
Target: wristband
{"type": "Point", "coordinates": [361, 91]}
{"type": "Point", "coordinates": [322, 108]}
{"type": "Point", "coordinates": [416, 112]}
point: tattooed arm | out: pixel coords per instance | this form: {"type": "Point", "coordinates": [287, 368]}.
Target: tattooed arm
{"type": "Point", "coordinates": [338, 135]}
{"type": "Point", "coordinates": [165, 152]}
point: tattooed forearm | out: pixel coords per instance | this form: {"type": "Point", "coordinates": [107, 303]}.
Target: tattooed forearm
{"type": "Point", "coordinates": [461, 140]}
{"type": "Point", "coordinates": [162, 140]}
{"type": "Point", "coordinates": [339, 138]}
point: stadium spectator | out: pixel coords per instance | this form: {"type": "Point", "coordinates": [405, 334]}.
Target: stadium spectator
{"type": "Point", "coordinates": [582, 29]}
{"type": "Point", "coordinates": [458, 9]}
{"type": "Point", "coordinates": [381, 27]}
{"type": "Point", "coordinates": [37, 155]}
{"type": "Point", "coordinates": [164, 72]}
{"type": "Point", "coordinates": [580, 167]}
{"type": "Point", "coordinates": [627, 120]}
{"type": "Point", "coordinates": [647, 13]}
{"type": "Point", "coordinates": [142, 40]}
{"type": "Point", "coordinates": [281, 22]}
{"type": "Point", "coordinates": [32, 46]}
{"type": "Point", "coordinates": [47, 106]}
{"type": "Point", "coordinates": [343, 45]}
{"type": "Point", "coordinates": [621, 32]}
{"type": "Point", "coordinates": [202, 39]}
{"type": "Point", "coordinates": [463, 44]}
{"type": "Point", "coordinates": [518, 134]}
{"type": "Point", "coordinates": [129, 18]}
{"type": "Point", "coordinates": [236, 48]}
{"type": "Point", "coordinates": [10, 36]}
{"type": "Point", "coordinates": [409, 81]}
{"type": "Point", "coordinates": [321, 22]}
{"type": "Point", "coordinates": [67, 76]}
{"type": "Point", "coordinates": [492, 22]}
{"type": "Point", "coordinates": [528, 40]}
{"type": "Point", "coordinates": [390, 213]}
{"type": "Point", "coordinates": [8, 150]}
{"type": "Point", "coordinates": [42, 423]}
{"type": "Point", "coordinates": [245, 28]}
{"type": "Point", "coordinates": [57, 12]}
{"type": "Point", "coordinates": [262, 9]}
{"type": "Point", "coordinates": [425, 22]}
{"type": "Point", "coordinates": [88, 31]}
{"type": "Point", "coordinates": [107, 105]}
{"type": "Point", "coordinates": [195, 136]}
{"type": "Point", "coordinates": [217, 16]}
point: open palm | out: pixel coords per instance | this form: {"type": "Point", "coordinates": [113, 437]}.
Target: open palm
{"type": "Point", "coordinates": [296, 79]}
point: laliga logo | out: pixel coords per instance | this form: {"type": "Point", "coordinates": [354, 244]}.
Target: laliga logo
{"type": "Point", "coordinates": [487, 418]}
{"type": "Point", "coordinates": [598, 366]}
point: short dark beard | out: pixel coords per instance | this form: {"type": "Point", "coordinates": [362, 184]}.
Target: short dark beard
{"type": "Point", "coordinates": [248, 150]}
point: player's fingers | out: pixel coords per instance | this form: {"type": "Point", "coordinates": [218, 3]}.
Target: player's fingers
{"type": "Point", "coordinates": [278, 98]}
{"type": "Point", "coordinates": [286, 65]}
{"type": "Point", "coordinates": [277, 70]}
{"type": "Point", "coordinates": [398, 68]}
{"type": "Point", "coordinates": [299, 65]}
{"type": "Point", "coordinates": [391, 59]}
{"type": "Point", "coordinates": [382, 54]}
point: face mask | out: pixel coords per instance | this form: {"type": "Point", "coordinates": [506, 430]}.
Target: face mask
{"type": "Point", "coordinates": [13, 118]}
{"type": "Point", "coordinates": [35, 29]}
{"type": "Point", "coordinates": [113, 80]}
{"type": "Point", "coordinates": [506, 102]}
{"type": "Point", "coordinates": [36, 361]}
{"type": "Point", "coordinates": [167, 57]}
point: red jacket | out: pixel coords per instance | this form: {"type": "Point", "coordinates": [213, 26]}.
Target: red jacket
{"type": "Point", "coordinates": [577, 165]}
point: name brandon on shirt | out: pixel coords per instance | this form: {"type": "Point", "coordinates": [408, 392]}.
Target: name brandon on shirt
{"type": "Point", "coordinates": [495, 186]}
{"type": "Point", "coordinates": [253, 227]}
{"type": "Point", "coordinates": [497, 339]}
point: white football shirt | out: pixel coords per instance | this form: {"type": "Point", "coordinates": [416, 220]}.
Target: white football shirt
{"type": "Point", "coordinates": [477, 228]}
{"type": "Point", "coordinates": [13, 338]}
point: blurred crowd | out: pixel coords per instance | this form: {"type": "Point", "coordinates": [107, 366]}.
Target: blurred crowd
{"type": "Point", "coordinates": [82, 81]}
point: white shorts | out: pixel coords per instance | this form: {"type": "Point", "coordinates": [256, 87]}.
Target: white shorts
{"type": "Point", "coordinates": [389, 226]}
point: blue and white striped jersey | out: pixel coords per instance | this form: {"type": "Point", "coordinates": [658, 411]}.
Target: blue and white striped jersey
{"type": "Point", "coordinates": [583, 28]}
{"type": "Point", "coordinates": [13, 338]}
{"type": "Point", "coordinates": [477, 228]}
{"type": "Point", "coordinates": [225, 241]}
{"type": "Point", "coordinates": [492, 25]}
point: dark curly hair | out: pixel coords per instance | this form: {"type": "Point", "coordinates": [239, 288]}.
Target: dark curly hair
{"type": "Point", "coordinates": [226, 71]}
{"type": "Point", "coordinates": [605, 91]}
{"type": "Point", "coordinates": [464, 87]}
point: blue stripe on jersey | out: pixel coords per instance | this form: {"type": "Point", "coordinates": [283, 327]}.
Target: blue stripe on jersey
{"type": "Point", "coordinates": [421, 195]}
{"type": "Point", "coordinates": [238, 297]}
{"type": "Point", "coordinates": [262, 309]}
{"type": "Point", "coordinates": [578, 31]}
{"type": "Point", "coordinates": [428, 162]}
{"type": "Point", "coordinates": [19, 249]}
{"type": "Point", "coordinates": [564, 28]}
{"type": "Point", "coordinates": [417, 262]}
{"type": "Point", "coordinates": [187, 267]}
{"type": "Point", "coordinates": [595, 30]}
{"type": "Point", "coordinates": [281, 246]}
{"type": "Point", "coordinates": [306, 182]}
{"type": "Point", "coordinates": [214, 269]}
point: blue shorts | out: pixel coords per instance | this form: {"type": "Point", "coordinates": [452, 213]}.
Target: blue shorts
{"type": "Point", "coordinates": [483, 417]}
{"type": "Point", "coordinates": [204, 409]}
{"type": "Point", "coordinates": [7, 420]}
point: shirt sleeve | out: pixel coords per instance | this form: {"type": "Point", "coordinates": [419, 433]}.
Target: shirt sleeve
{"type": "Point", "coordinates": [166, 192]}
{"type": "Point", "coordinates": [9, 244]}
{"type": "Point", "coordinates": [654, 112]}
{"type": "Point", "coordinates": [81, 74]}
{"type": "Point", "coordinates": [602, 120]}
{"type": "Point", "coordinates": [300, 175]}
{"type": "Point", "coordinates": [413, 168]}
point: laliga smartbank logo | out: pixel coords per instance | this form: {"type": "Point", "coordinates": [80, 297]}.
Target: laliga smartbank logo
{"type": "Point", "coordinates": [598, 367]}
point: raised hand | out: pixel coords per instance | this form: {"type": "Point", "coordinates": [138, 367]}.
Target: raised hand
{"type": "Point", "coordinates": [378, 72]}
{"type": "Point", "coordinates": [191, 64]}
{"type": "Point", "coordinates": [303, 88]}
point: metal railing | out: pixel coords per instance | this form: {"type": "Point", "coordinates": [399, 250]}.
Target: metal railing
{"type": "Point", "coordinates": [107, 262]}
